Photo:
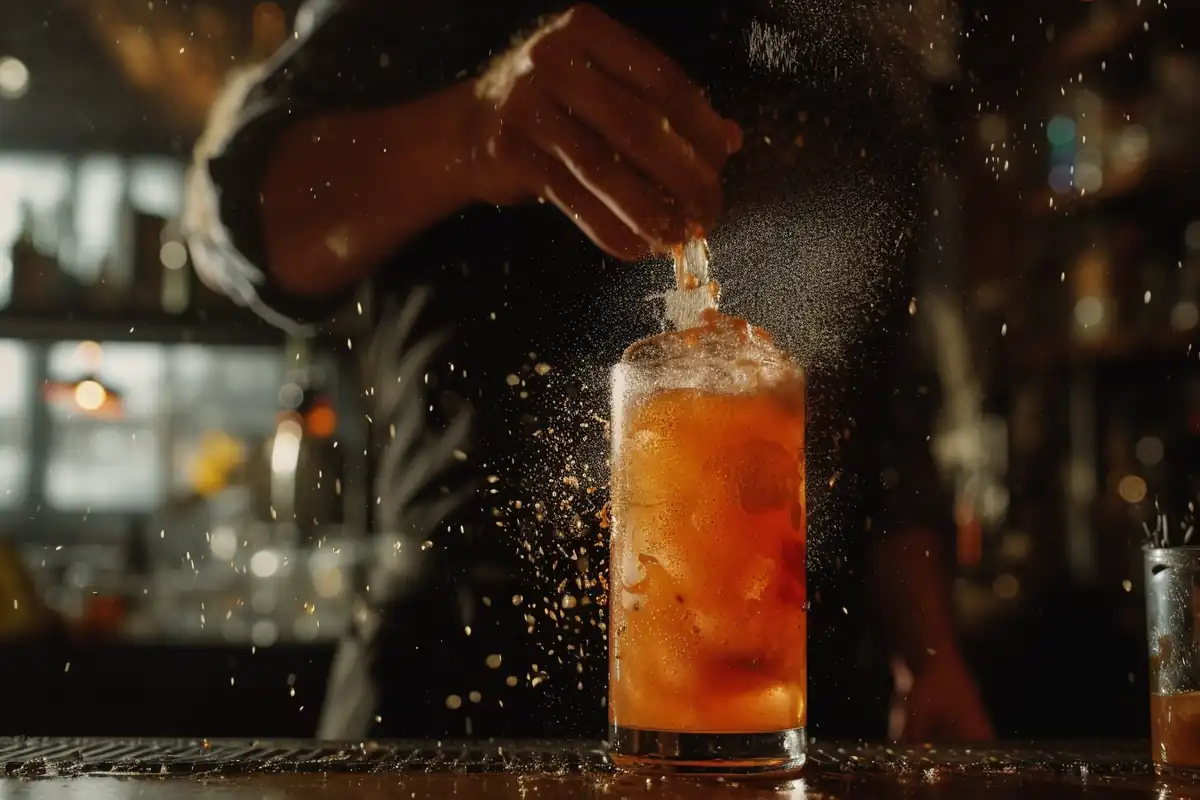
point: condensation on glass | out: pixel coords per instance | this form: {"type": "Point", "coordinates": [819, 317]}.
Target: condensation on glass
{"type": "Point", "coordinates": [707, 593]}
{"type": "Point", "coordinates": [1172, 611]}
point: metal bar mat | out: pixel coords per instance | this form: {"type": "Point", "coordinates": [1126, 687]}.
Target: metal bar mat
{"type": "Point", "coordinates": [32, 757]}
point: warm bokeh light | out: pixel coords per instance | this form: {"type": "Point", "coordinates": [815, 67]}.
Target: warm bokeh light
{"type": "Point", "coordinates": [1149, 450]}
{"type": "Point", "coordinates": [173, 255]}
{"type": "Point", "coordinates": [1132, 489]}
{"type": "Point", "coordinates": [90, 395]}
{"type": "Point", "coordinates": [1006, 586]}
{"type": "Point", "coordinates": [285, 448]}
{"type": "Point", "coordinates": [270, 29]}
{"type": "Point", "coordinates": [993, 128]}
{"type": "Point", "coordinates": [265, 563]}
{"type": "Point", "coordinates": [1184, 316]}
{"type": "Point", "coordinates": [14, 78]}
{"type": "Point", "coordinates": [1089, 312]}
{"type": "Point", "coordinates": [1191, 235]}
{"type": "Point", "coordinates": [217, 456]}
{"type": "Point", "coordinates": [321, 421]}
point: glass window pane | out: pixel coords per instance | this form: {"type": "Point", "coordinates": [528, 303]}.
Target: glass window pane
{"type": "Point", "coordinates": [156, 187]}
{"type": "Point", "coordinates": [104, 466]}
{"type": "Point", "coordinates": [14, 378]}
{"type": "Point", "coordinates": [113, 461]}
{"type": "Point", "coordinates": [14, 474]}
{"type": "Point", "coordinates": [232, 388]}
{"type": "Point", "coordinates": [14, 416]}
{"type": "Point", "coordinates": [97, 213]}
{"type": "Point", "coordinates": [176, 401]}
{"type": "Point", "coordinates": [224, 402]}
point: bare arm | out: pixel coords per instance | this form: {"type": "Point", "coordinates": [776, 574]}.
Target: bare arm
{"type": "Point", "coordinates": [344, 191]}
{"type": "Point", "coordinates": [583, 113]}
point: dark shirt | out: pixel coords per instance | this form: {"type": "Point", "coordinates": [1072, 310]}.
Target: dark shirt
{"type": "Point", "coordinates": [508, 320]}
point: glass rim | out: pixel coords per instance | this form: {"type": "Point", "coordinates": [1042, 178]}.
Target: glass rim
{"type": "Point", "coordinates": [658, 363]}
{"type": "Point", "coordinates": [1178, 557]}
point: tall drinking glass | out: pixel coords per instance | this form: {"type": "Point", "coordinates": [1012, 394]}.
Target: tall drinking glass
{"type": "Point", "coordinates": [708, 617]}
{"type": "Point", "coordinates": [1173, 629]}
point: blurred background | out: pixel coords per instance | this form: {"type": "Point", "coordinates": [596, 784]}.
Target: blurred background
{"type": "Point", "coordinates": [182, 492]}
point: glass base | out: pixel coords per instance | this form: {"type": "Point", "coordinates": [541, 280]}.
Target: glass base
{"type": "Point", "coordinates": [1179, 771]}
{"type": "Point", "coordinates": [777, 754]}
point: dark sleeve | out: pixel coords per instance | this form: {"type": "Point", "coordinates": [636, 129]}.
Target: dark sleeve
{"type": "Point", "coordinates": [901, 483]}
{"type": "Point", "coordinates": [345, 55]}
{"type": "Point", "coordinates": [897, 396]}
{"type": "Point", "coordinates": [829, 196]}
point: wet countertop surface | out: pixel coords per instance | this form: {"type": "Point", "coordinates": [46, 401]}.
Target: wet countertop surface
{"type": "Point", "coordinates": [115, 770]}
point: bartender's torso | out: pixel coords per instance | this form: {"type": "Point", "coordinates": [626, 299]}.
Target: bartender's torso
{"type": "Point", "coordinates": [510, 318]}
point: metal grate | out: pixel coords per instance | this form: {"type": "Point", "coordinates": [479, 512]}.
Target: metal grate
{"type": "Point", "coordinates": [31, 757]}
{"type": "Point", "coordinates": [37, 756]}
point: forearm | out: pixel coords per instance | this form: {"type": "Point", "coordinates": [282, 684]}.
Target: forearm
{"type": "Point", "coordinates": [343, 192]}
{"type": "Point", "coordinates": [912, 587]}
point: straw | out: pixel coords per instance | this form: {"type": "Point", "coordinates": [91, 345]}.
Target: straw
{"type": "Point", "coordinates": [1162, 534]}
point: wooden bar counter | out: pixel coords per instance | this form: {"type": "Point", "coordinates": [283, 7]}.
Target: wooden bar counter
{"type": "Point", "coordinates": [40, 769]}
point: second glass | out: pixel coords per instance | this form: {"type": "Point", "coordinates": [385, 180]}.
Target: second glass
{"type": "Point", "coordinates": [1172, 617]}
{"type": "Point", "coordinates": [708, 619]}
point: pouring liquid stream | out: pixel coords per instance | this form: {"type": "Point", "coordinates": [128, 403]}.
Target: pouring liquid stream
{"type": "Point", "coordinates": [694, 293]}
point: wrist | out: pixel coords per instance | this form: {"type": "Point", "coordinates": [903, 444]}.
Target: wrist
{"type": "Point", "coordinates": [485, 174]}
{"type": "Point", "coordinates": [453, 141]}
{"type": "Point", "coordinates": [425, 155]}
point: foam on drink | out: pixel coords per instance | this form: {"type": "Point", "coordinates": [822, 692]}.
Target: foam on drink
{"type": "Point", "coordinates": [1175, 729]}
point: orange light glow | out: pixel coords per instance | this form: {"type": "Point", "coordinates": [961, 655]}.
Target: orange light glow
{"type": "Point", "coordinates": [969, 536]}
{"type": "Point", "coordinates": [269, 29]}
{"type": "Point", "coordinates": [321, 421]}
{"type": "Point", "coordinates": [90, 355]}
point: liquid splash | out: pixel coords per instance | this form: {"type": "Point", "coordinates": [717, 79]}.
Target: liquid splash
{"type": "Point", "coordinates": [694, 292]}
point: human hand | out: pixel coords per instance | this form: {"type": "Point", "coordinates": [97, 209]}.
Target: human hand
{"type": "Point", "coordinates": [939, 702]}
{"type": "Point", "coordinates": [587, 115]}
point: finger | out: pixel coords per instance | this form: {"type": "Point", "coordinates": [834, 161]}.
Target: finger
{"type": "Point", "coordinates": [554, 183]}
{"type": "Point", "coordinates": [630, 59]}
{"type": "Point", "coordinates": [643, 135]}
{"type": "Point", "coordinates": [623, 190]}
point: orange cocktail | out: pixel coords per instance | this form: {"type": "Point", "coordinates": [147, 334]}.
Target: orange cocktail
{"type": "Point", "coordinates": [707, 601]}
